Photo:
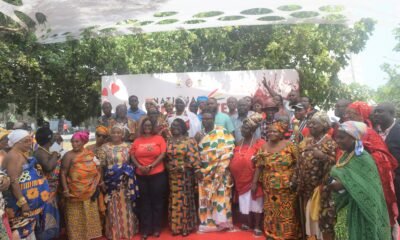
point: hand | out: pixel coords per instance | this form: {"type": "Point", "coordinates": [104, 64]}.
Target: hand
{"type": "Point", "coordinates": [55, 154]}
{"type": "Point", "coordinates": [253, 189]}
{"type": "Point", "coordinates": [264, 81]}
{"type": "Point", "coordinates": [103, 187]}
{"type": "Point", "coordinates": [4, 183]}
{"type": "Point", "coordinates": [25, 209]}
{"type": "Point", "coordinates": [318, 154]}
{"type": "Point", "coordinates": [67, 194]}
{"type": "Point", "coordinates": [144, 170]}
{"type": "Point", "coordinates": [336, 186]}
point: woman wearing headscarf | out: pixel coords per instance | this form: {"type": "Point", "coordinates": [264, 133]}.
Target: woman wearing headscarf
{"type": "Point", "coordinates": [147, 153]}
{"type": "Point", "coordinates": [120, 186]}
{"type": "Point", "coordinates": [122, 119]}
{"type": "Point", "coordinates": [80, 178]}
{"type": "Point", "coordinates": [5, 231]}
{"type": "Point", "coordinates": [183, 164]}
{"type": "Point", "coordinates": [169, 109]}
{"type": "Point", "coordinates": [51, 165]}
{"type": "Point", "coordinates": [317, 156]}
{"type": "Point", "coordinates": [376, 147]}
{"type": "Point", "coordinates": [275, 167]}
{"type": "Point", "coordinates": [29, 189]}
{"type": "Point", "coordinates": [243, 168]}
{"type": "Point", "coordinates": [357, 190]}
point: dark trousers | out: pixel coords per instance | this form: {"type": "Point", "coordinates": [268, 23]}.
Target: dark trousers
{"type": "Point", "coordinates": [152, 189]}
{"type": "Point", "coordinates": [397, 188]}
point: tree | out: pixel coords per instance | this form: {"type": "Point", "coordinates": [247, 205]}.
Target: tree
{"type": "Point", "coordinates": [65, 77]}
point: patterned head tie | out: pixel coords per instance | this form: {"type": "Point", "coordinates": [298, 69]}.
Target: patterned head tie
{"type": "Point", "coordinates": [281, 126]}
{"type": "Point", "coordinates": [253, 121]}
{"type": "Point", "coordinates": [322, 118]}
{"type": "Point", "coordinates": [102, 130]}
{"type": "Point", "coordinates": [357, 130]}
{"type": "Point", "coordinates": [82, 136]}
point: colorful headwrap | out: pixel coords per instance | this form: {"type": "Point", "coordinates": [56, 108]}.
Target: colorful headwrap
{"type": "Point", "coordinates": [82, 136]}
{"type": "Point", "coordinates": [202, 99]}
{"type": "Point", "coordinates": [102, 130]}
{"type": "Point", "coordinates": [322, 118]}
{"type": "Point", "coordinates": [253, 121]}
{"type": "Point", "coordinates": [16, 135]}
{"type": "Point", "coordinates": [3, 133]}
{"type": "Point", "coordinates": [357, 131]}
{"type": "Point", "coordinates": [363, 109]}
{"type": "Point", "coordinates": [119, 126]}
{"type": "Point", "coordinates": [281, 126]}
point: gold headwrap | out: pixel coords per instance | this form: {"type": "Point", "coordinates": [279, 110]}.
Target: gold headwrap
{"type": "Point", "coordinates": [253, 121]}
{"type": "Point", "coordinates": [281, 126]}
{"type": "Point", "coordinates": [102, 130]}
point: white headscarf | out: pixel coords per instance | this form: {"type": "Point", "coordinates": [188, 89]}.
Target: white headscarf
{"type": "Point", "coordinates": [16, 136]}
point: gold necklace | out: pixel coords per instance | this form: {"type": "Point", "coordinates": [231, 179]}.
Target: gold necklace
{"type": "Point", "coordinates": [346, 161]}
{"type": "Point", "coordinates": [44, 149]}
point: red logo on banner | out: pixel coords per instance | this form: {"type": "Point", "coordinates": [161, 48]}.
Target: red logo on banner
{"type": "Point", "coordinates": [114, 88]}
{"type": "Point", "coordinates": [104, 92]}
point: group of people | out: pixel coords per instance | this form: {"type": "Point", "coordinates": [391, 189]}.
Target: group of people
{"type": "Point", "coordinates": [293, 172]}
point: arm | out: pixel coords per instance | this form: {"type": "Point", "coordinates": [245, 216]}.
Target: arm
{"type": "Point", "coordinates": [47, 162]}
{"type": "Point", "coordinates": [157, 161]}
{"type": "Point", "coordinates": [269, 89]}
{"type": "Point", "coordinates": [14, 170]}
{"type": "Point", "coordinates": [255, 180]}
{"type": "Point", "coordinates": [66, 163]}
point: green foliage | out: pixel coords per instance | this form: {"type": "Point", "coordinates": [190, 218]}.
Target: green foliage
{"type": "Point", "coordinates": [66, 76]}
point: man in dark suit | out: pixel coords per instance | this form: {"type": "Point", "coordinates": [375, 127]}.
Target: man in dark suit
{"type": "Point", "coordinates": [390, 132]}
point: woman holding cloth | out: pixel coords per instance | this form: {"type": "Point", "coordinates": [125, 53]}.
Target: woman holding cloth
{"type": "Point", "coordinates": [357, 190]}
{"type": "Point", "coordinates": [80, 178]}
{"type": "Point", "coordinates": [120, 186]}
{"type": "Point", "coordinates": [243, 168]}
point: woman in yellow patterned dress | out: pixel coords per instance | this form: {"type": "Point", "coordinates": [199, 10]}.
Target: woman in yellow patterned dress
{"type": "Point", "coordinates": [119, 185]}
{"type": "Point", "coordinates": [275, 167]}
{"type": "Point", "coordinates": [183, 163]}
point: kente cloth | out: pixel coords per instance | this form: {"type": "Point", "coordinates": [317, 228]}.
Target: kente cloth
{"type": "Point", "coordinates": [243, 168]}
{"type": "Point", "coordinates": [35, 189]}
{"type": "Point", "coordinates": [386, 164]}
{"type": "Point", "coordinates": [122, 191]}
{"type": "Point", "coordinates": [280, 220]}
{"type": "Point", "coordinates": [216, 150]}
{"type": "Point", "coordinates": [83, 176]}
{"type": "Point", "coordinates": [367, 216]}
{"type": "Point", "coordinates": [183, 160]}
{"type": "Point", "coordinates": [82, 219]}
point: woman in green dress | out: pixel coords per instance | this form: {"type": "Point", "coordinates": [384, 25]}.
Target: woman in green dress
{"type": "Point", "coordinates": [357, 191]}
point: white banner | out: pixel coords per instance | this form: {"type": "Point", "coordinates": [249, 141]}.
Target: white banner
{"type": "Point", "coordinates": [162, 87]}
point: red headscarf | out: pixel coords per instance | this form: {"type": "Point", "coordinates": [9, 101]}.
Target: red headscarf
{"type": "Point", "coordinates": [81, 135]}
{"type": "Point", "coordinates": [363, 109]}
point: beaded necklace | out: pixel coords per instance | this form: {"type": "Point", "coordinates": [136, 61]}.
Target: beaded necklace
{"type": "Point", "coordinates": [346, 161]}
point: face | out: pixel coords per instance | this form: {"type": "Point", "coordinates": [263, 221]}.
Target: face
{"type": "Point", "coordinates": [202, 105]}
{"type": "Point", "coordinates": [257, 107]}
{"type": "Point", "coordinates": [352, 115]}
{"type": "Point", "coordinates": [25, 144]}
{"type": "Point", "coordinates": [340, 108]}
{"type": "Point", "coordinates": [316, 128]}
{"type": "Point", "coordinates": [169, 108]}
{"type": "Point", "coordinates": [249, 100]}
{"type": "Point", "coordinates": [232, 103]}
{"type": "Point", "coordinates": [176, 129]}
{"type": "Point", "coordinates": [180, 105]}
{"type": "Point", "coordinates": [147, 127]}
{"type": "Point", "coordinates": [101, 138]}
{"type": "Point", "coordinates": [153, 114]}
{"type": "Point", "coordinates": [300, 113]}
{"type": "Point", "coordinates": [148, 105]}
{"type": "Point", "coordinates": [382, 115]}
{"type": "Point", "coordinates": [246, 131]}
{"type": "Point", "coordinates": [293, 97]}
{"type": "Point", "coordinates": [116, 135]}
{"type": "Point", "coordinates": [106, 109]}
{"type": "Point", "coordinates": [77, 144]}
{"type": "Point", "coordinates": [193, 107]}
{"type": "Point", "coordinates": [243, 107]}
{"type": "Point", "coordinates": [208, 120]}
{"type": "Point", "coordinates": [345, 141]}
{"type": "Point", "coordinates": [133, 102]}
{"type": "Point", "coordinates": [121, 111]}
{"type": "Point", "coordinates": [270, 111]}
{"type": "Point", "coordinates": [273, 134]}
{"type": "Point", "coordinates": [212, 105]}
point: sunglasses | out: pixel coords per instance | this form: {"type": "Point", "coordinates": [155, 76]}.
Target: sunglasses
{"type": "Point", "coordinates": [101, 135]}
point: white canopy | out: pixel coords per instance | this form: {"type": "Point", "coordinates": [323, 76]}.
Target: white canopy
{"type": "Point", "coordinates": [54, 20]}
